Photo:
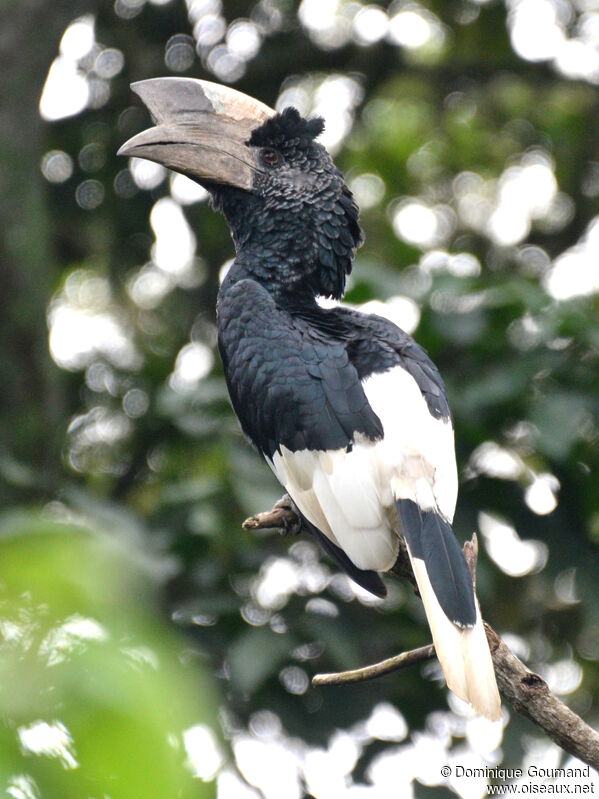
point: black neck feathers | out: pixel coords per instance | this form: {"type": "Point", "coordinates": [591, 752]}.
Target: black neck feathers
{"type": "Point", "coordinates": [297, 230]}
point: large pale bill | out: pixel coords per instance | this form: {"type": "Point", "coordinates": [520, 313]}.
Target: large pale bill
{"type": "Point", "coordinates": [201, 130]}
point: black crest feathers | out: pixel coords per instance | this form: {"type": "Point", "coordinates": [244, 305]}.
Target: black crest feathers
{"type": "Point", "coordinates": [286, 126]}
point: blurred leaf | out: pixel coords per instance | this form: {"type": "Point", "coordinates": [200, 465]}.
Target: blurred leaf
{"type": "Point", "coordinates": [256, 655]}
{"type": "Point", "coordinates": [93, 698]}
{"type": "Point", "coordinates": [561, 419]}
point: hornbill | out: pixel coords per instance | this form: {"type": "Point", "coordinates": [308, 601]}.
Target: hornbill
{"type": "Point", "coordinates": [346, 408]}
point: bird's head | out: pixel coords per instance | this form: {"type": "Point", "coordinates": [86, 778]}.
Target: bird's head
{"type": "Point", "coordinates": [277, 187]}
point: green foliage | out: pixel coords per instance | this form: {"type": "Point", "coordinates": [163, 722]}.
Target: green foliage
{"type": "Point", "coordinates": [94, 698]}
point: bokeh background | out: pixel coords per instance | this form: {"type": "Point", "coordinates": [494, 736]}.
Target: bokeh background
{"type": "Point", "coordinates": [150, 647]}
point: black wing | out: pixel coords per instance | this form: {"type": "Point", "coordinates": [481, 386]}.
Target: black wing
{"type": "Point", "coordinates": [289, 384]}
{"type": "Point", "coordinates": [291, 387]}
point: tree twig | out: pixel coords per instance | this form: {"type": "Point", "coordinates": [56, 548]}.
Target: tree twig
{"type": "Point", "coordinates": [525, 691]}
{"type": "Point", "coordinates": [377, 669]}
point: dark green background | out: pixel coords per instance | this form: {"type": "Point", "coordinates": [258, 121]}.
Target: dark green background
{"type": "Point", "coordinates": [176, 482]}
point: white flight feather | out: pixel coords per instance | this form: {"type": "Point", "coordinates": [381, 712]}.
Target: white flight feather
{"type": "Point", "coordinates": [342, 499]}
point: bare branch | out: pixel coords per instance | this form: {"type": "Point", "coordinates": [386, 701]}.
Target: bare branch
{"type": "Point", "coordinates": [525, 691]}
{"type": "Point", "coordinates": [471, 555]}
{"type": "Point", "coordinates": [529, 695]}
{"type": "Point", "coordinates": [377, 669]}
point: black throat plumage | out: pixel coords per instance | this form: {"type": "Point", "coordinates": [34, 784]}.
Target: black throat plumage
{"type": "Point", "coordinates": [297, 231]}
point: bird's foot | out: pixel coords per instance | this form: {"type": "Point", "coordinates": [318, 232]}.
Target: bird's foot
{"type": "Point", "coordinates": [283, 516]}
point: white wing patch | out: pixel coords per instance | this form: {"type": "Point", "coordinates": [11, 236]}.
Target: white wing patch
{"type": "Point", "coordinates": [417, 453]}
{"type": "Point", "coordinates": [349, 496]}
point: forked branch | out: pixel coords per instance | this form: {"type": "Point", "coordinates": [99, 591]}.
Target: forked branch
{"type": "Point", "coordinates": [524, 690]}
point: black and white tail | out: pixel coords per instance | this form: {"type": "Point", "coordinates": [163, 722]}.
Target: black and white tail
{"type": "Point", "coordinates": [451, 607]}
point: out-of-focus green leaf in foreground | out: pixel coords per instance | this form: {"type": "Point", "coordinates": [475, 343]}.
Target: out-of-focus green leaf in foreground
{"type": "Point", "coordinates": [94, 701]}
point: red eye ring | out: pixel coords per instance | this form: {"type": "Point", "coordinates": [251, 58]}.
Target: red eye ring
{"type": "Point", "coordinates": [270, 156]}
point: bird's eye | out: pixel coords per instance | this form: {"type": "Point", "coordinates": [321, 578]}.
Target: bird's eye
{"type": "Point", "coordinates": [270, 156]}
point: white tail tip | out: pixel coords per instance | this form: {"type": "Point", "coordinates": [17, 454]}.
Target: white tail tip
{"type": "Point", "coordinates": [463, 653]}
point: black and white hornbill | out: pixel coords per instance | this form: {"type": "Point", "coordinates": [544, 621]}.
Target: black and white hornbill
{"type": "Point", "coordinates": [348, 410]}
